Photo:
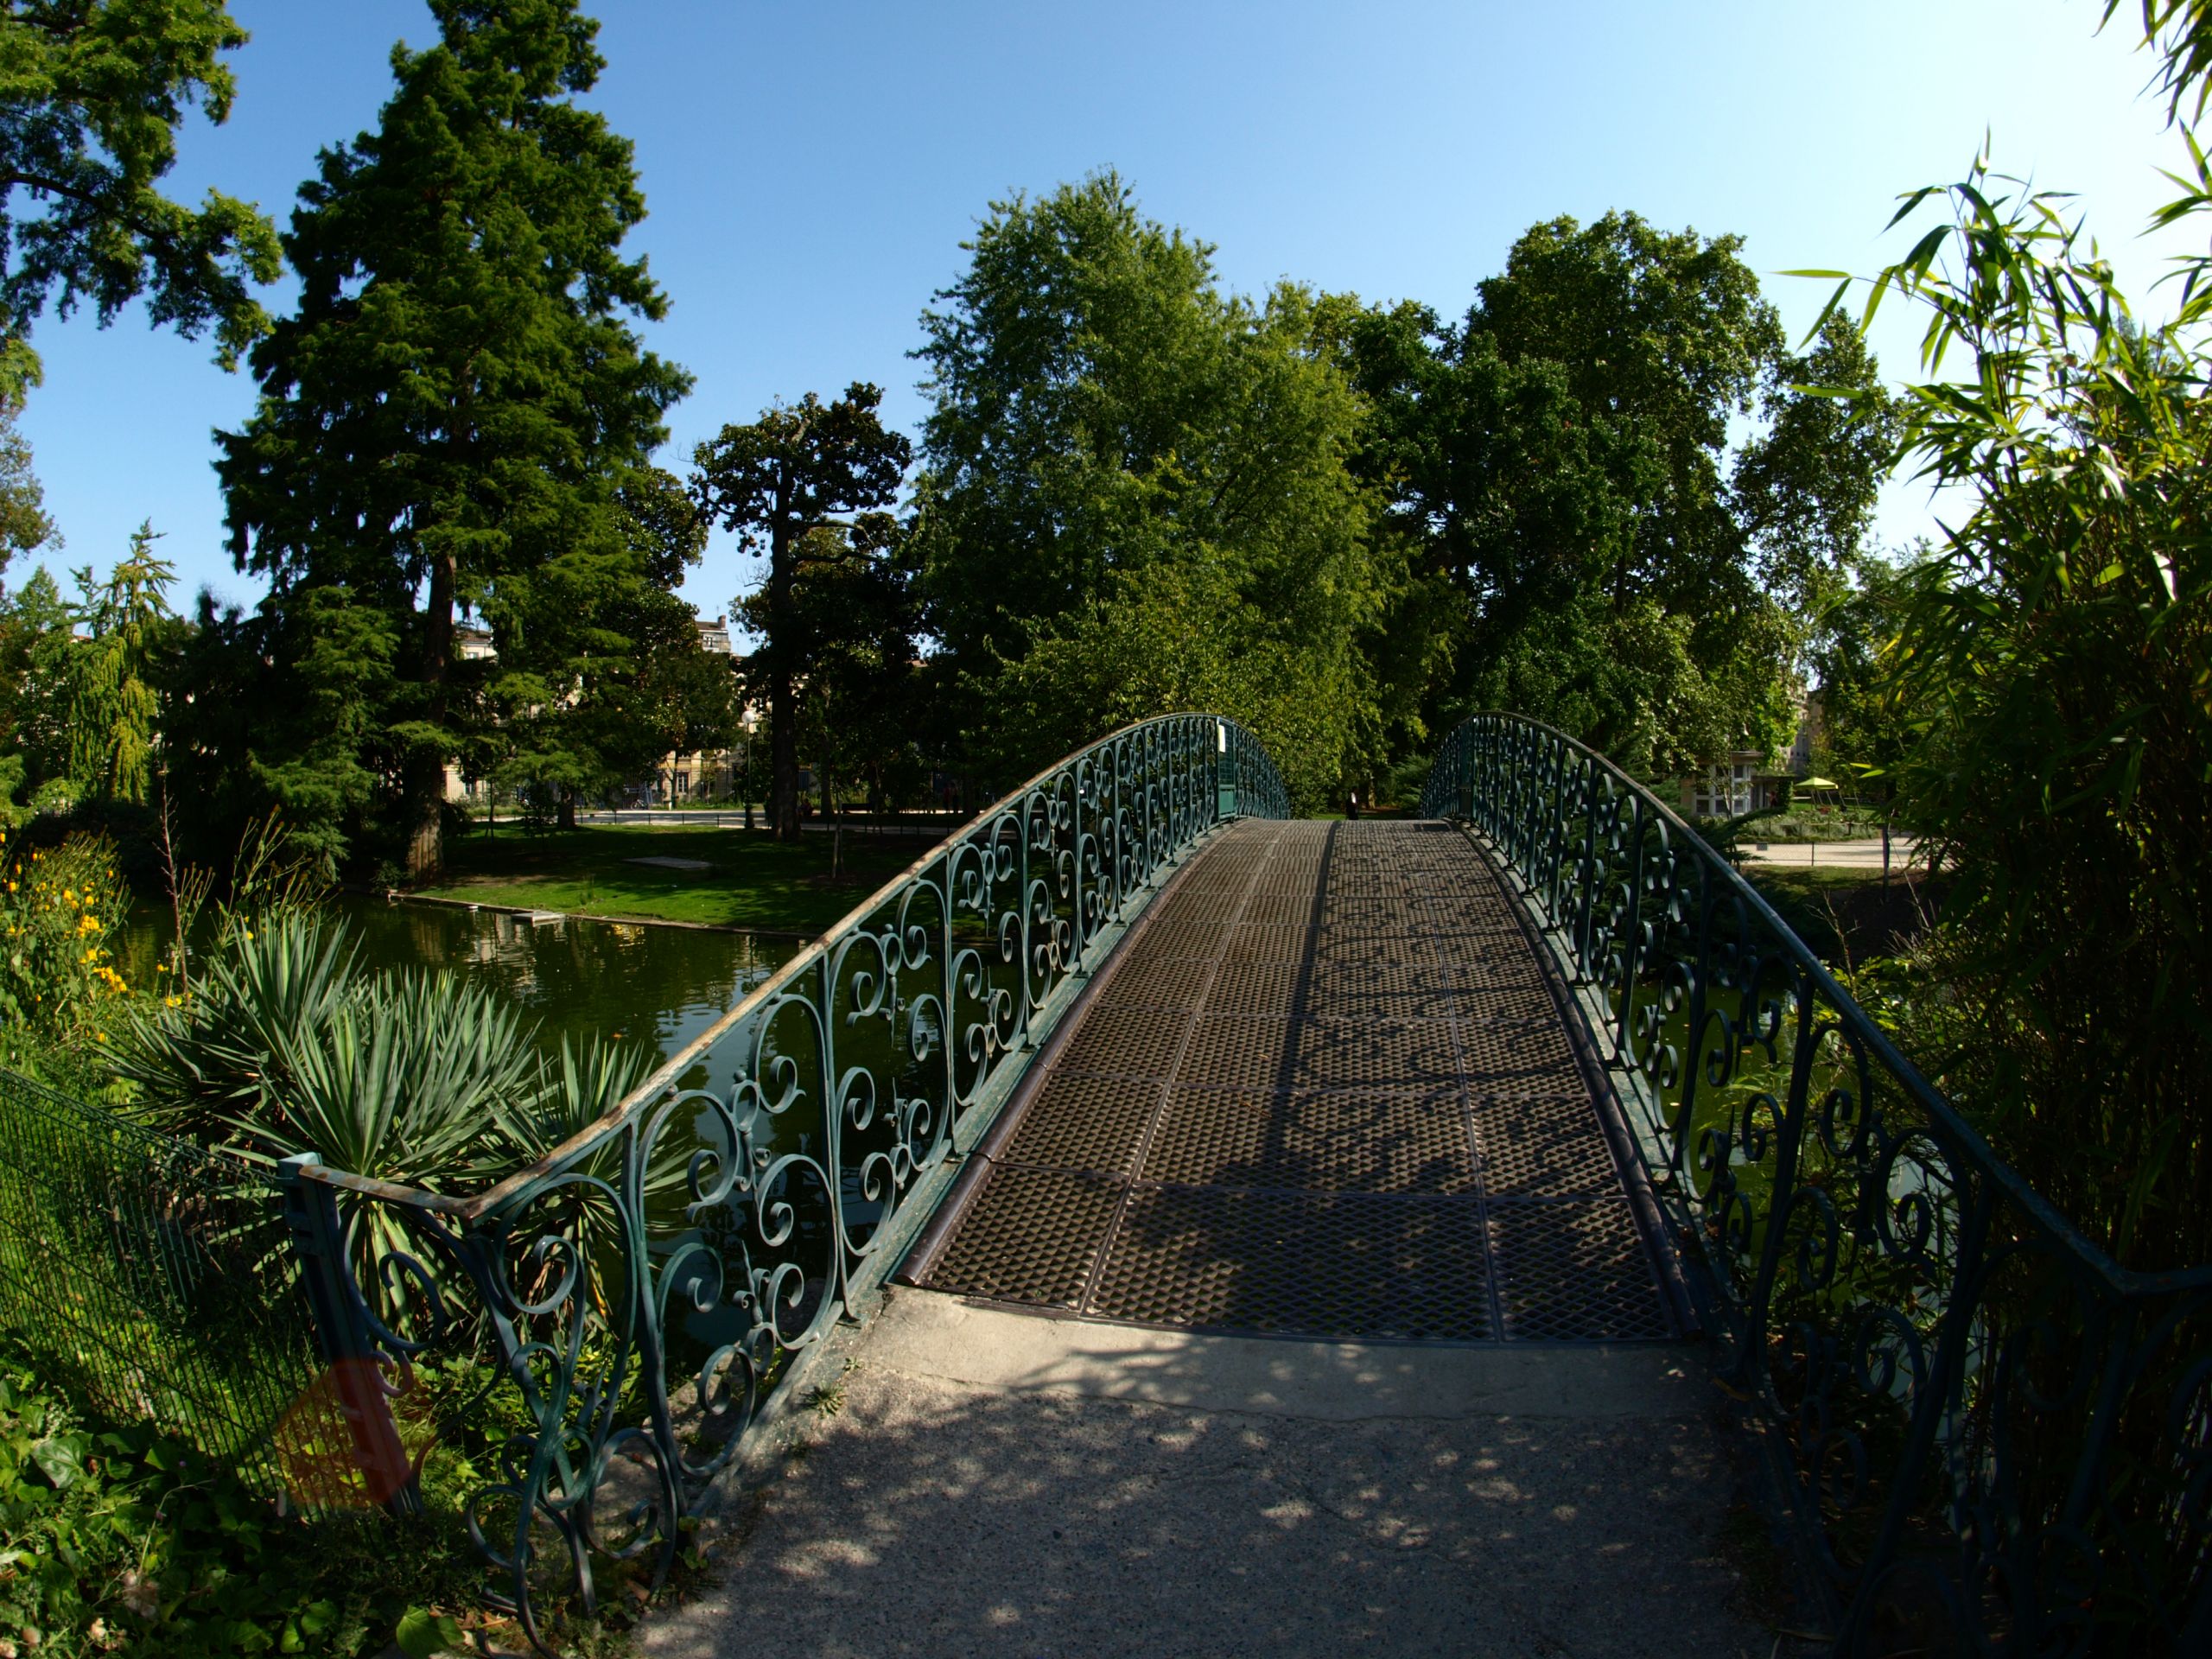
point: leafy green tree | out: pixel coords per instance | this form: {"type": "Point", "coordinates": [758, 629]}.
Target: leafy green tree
{"type": "Point", "coordinates": [855, 617]}
{"type": "Point", "coordinates": [1108, 428]}
{"type": "Point", "coordinates": [664, 693]}
{"type": "Point", "coordinates": [460, 414]}
{"type": "Point", "coordinates": [115, 708]}
{"type": "Point", "coordinates": [24, 527]}
{"type": "Point", "coordinates": [799, 470]}
{"type": "Point", "coordinates": [91, 94]}
{"type": "Point", "coordinates": [1562, 458]}
{"type": "Point", "coordinates": [1867, 729]}
{"type": "Point", "coordinates": [628, 680]}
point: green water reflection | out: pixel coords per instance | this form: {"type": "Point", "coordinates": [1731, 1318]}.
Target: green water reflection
{"type": "Point", "coordinates": [659, 985]}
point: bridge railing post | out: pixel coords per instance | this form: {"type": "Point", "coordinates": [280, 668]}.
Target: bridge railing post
{"type": "Point", "coordinates": [1224, 774]}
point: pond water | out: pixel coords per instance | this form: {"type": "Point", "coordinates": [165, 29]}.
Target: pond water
{"type": "Point", "coordinates": [659, 985]}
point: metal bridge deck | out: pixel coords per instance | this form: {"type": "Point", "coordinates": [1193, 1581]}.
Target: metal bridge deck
{"type": "Point", "coordinates": [1324, 1090]}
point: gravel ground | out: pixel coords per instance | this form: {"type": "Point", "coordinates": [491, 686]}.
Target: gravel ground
{"type": "Point", "coordinates": [932, 1517]}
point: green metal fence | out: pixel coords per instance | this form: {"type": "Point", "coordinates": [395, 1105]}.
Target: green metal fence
{"type": "Point", "coordinates": [157, 1280]}
{"type": "Point", "coordinates": [651, 1287]}
{"type": "Point", "coordinates": [1994, 1439]}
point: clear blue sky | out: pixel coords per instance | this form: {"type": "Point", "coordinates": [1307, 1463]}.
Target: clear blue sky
{"type": "Point", "coordinates": [812, 169]}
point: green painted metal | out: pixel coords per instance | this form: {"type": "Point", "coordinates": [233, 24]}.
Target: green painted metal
{"type": "Point", "coordinates": [1993, 1439]}
{"type": "Point", "coordinates": [657, 1284]}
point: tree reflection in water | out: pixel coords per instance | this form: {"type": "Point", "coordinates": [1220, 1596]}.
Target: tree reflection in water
{"type": "Point", "coordinates": [653, 984]}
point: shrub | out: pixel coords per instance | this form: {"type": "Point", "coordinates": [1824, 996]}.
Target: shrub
{"type": "Point", "coordinates": [121, 1541]}
{"type": "Point", "coordinates": [58, 906]}
{"type": "Point", "coordinates": [2061, 639]}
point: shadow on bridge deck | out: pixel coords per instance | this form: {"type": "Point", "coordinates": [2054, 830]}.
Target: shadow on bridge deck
{"type": "Point", "coordinates": [1322, 1093]}
{"type": "Point", "coordinates": [1324, 1090]}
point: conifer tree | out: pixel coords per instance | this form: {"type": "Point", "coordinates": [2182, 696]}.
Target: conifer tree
{"type": "Point", "coordinates": [91, 95]}
{"type": "Point", "coordinates": [114, 709]}
{"type": "Point", "coordinates": [460, 409]}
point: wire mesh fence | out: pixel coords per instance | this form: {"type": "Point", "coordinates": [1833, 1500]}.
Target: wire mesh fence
{"type": "Point", "coordinates": [157, 1280]}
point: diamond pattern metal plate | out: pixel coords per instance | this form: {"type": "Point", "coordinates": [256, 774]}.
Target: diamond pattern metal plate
{"type": "Point", "coordinates": [1032, 1236]}
{"type": "Point", "coordinates": [1324, 1090]}
{"type": "Point", "coordinates": [1298, 1263]}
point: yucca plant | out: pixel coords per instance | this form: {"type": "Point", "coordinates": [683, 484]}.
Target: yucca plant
{"type": "Point", "coordinates": [421, 1079]}
{"type": "Point", "coordinates": [398, 1082]}
{"type": "Point", "coordinates": [200, 1060]}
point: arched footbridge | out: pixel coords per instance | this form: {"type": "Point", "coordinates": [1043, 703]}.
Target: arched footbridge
{"type": "Point", "coordinates": [1324, 1088]}
{"type": "Point", "coordinates": [1138, 1050]}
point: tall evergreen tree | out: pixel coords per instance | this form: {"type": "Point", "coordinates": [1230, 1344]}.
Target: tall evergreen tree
{"type": "Point", "coordinates": [91, 93]}
{"type": "Point", "coordinates": [37, 648]}
{"type": "Point", "coordinates": [461, 413]}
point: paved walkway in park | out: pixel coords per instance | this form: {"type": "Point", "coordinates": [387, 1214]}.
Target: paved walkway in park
{"type": "Point", "coordinates": [1835, 855]}
{"type": "Point", "coordinates": [1299, 1306]}
{"type": "Point", "coordinates": [998, 1484]}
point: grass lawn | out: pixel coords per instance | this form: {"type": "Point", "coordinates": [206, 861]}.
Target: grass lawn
{"type": "Point", "coordinates": [751, 880]}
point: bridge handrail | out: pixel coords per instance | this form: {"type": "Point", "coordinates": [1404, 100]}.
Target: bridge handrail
{"type": "Point", "coordinates": [720, 1219]}
{"type": "Point", "coordinates": [1919, 1326]}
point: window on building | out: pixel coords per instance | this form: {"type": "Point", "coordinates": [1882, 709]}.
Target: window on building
{"type": "Point", "coordinates": [1723, 790]}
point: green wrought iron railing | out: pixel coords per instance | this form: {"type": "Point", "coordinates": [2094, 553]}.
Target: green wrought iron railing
{"type": "Point", "coordinates": [1993, 1439]}
{"type": "Point", "coordinates": [648, 1288]}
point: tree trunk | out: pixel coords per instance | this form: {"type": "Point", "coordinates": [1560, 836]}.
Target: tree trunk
{"type": "Point", "coordinates": [426, 768]}
{"type": "Point", "coordinates": [783, 712]}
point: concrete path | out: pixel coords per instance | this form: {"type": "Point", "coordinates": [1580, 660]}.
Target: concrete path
{"type": "Point", "coordinates": [996, 1484]}
{"type": "Point", "coordinates": [1832, 855]}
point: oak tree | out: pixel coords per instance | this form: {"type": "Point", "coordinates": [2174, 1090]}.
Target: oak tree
{"type": "Point", "coordinates": [1135, 495]}
{"type": "Point", "coordinates": [1615, 460]}
{"type": "Point", "coordinates": [791, 484]}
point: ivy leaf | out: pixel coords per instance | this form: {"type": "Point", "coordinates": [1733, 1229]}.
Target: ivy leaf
{"type": "Point", "coordinates": [61, 1461]}
{"type": "Point", "coordinates": [423, 1634]}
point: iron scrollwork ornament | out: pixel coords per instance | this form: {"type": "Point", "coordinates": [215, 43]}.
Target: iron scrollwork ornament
{"type": "Point", "coordinates": [1999, 1441]}
{"type": "Point", "coordinates": [642, 1293]}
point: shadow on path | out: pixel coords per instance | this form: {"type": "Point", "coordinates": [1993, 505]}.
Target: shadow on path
{"type": "Point", "coordinates": [931, 1517]}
